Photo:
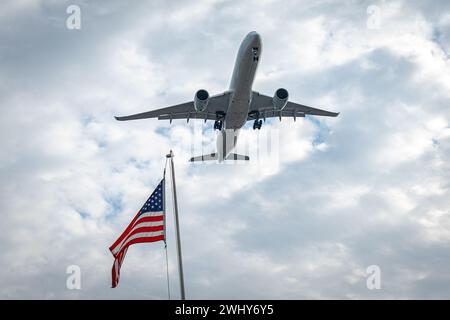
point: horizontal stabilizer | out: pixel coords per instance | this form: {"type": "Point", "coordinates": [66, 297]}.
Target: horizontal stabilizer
{"type": "Point", "coordinates": [235, 156]}
{"type": "Point", "coordinates": [206, 157]}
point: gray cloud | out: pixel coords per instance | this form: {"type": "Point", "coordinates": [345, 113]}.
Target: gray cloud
{"type": "Point", "coordinates": [369, 187]}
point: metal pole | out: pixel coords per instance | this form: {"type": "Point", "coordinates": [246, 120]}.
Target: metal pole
{"type": "Point", "coordinates": [177, 226]}
{"type": "Point", "coordinates": [165, 231]}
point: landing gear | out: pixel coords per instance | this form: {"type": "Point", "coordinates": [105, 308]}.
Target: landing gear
{"type": "Point", "coordinates": [257, 124]}
{"type": "Point", "coordinates": [218, 125]}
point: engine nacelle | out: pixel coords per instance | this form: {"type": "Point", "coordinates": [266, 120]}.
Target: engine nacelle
{"type": "Point", "coordinates": [280, 99]}
{"type": "Point", "coordinates": [201, 100]}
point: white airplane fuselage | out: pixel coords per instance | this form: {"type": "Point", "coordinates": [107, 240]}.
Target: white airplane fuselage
{"type": "Point", "coordinates": [241, 93]}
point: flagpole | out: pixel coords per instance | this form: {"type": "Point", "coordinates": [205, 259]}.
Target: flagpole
{"type": "Point", "coordinates": [165, 230]}
{"type": "Point", "coordinates": [177, 227]}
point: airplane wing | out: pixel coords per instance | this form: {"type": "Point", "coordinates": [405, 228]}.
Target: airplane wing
{"type": "Point", "coordinates": [215, 110]}
{"type": "Point", "coordinates": [262, 107]}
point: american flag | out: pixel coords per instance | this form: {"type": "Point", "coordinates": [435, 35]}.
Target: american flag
{"type": "Point", "coordinates": [147, 226]}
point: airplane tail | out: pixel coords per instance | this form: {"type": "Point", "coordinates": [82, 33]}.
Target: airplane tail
{"type": "Point", "coordinates": [215, 156]}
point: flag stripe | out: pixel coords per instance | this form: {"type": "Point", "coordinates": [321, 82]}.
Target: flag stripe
{"type": "Point", "coordinates": [148, 224]}
{"type": "Point", "coordinates": [145, 217]}
{"type": "Point", "coordinates": [137, 226]}
{"type": "Point", "coordinates": [130, 226]}
{"type": "Point", "coordinates": [150, 219]}
{"type": "Point", "coordinates": [146, 239]}
{"type": "Point", "coordinates": [116, 268]}
{"type": "Point", "coordinates": [140, 235]}
{"type": "Point", "coordinates": [135, 233]}
{"type": "Point", "coordinates": [154, 238]}
{"type": "Point", "coordinates": [143, 222]}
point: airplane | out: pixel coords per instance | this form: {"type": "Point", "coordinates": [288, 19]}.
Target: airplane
{"type": "Point", "coordinates": [231, 109]}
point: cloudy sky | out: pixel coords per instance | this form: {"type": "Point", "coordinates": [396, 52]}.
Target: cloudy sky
{"type": "Point", "coordinates": [370, 187]}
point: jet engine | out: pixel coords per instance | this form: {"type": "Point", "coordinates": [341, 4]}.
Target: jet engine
{"type": "Point", "coordinates": [280, 99]}
{"type": "Point", "coordinates": [201, 100]}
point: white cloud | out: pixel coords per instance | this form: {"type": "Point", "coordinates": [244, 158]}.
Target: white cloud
{"type": "Point", "coordinates": [368, 187]}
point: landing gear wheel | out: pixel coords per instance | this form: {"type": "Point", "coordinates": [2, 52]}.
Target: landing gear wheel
{"type": "Point", "coordinates": [218, 125]}
{"type": "Point", "coordinates": [257, 124]}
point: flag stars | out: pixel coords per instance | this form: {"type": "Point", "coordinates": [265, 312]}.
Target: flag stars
{"type": "Point", "coordinates": [154, 202]}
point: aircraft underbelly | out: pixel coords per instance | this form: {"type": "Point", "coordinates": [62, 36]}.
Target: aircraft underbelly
{"type": "Point", "coordinates": [241, 85]}
{"type": "Point", "coordinates": [237, 114]}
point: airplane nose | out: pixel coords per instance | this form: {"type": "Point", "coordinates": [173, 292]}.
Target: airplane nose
{"type": "Point", "coordinates": [255, 38]}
